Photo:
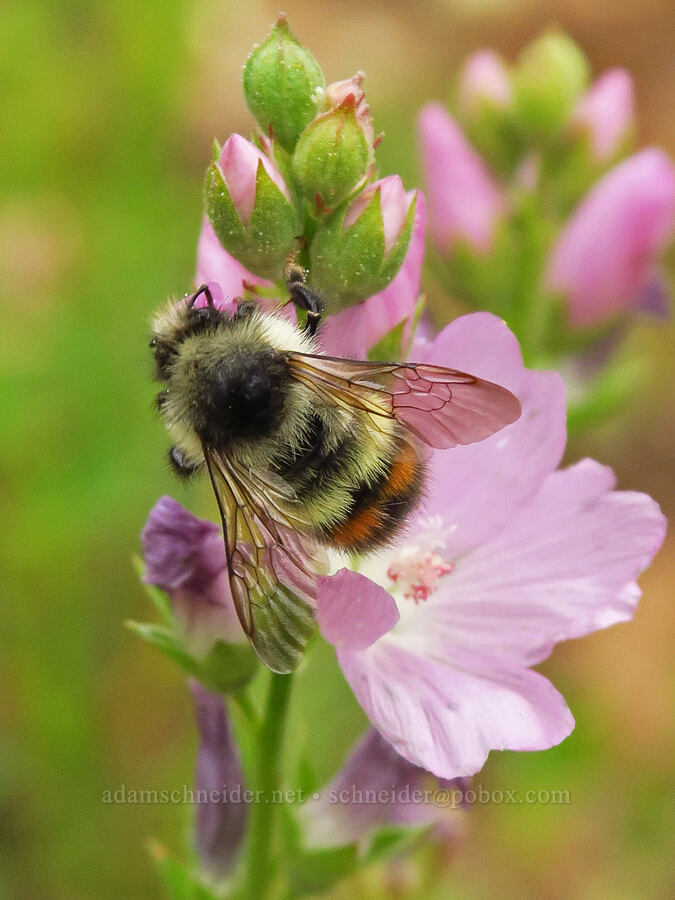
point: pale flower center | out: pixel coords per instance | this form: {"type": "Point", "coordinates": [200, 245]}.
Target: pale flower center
{"type": "Point", "coordinates": [417, 568]}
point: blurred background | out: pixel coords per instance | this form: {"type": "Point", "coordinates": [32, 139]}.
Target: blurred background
{"type": "Point", "coordinates": [108, 114]}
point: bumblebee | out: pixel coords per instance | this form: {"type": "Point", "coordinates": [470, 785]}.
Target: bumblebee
{"type": "Point", "coordinates": [303, 450]}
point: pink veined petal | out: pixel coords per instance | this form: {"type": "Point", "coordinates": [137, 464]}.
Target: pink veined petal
{"type": "Point", "coordinates": [353, 611]}
{"type": "Point", "coordinates": [353, 331]}
{"type": "Point", "coordinates": [478, 488]}
{"type": "Point", "coordinates": [447, 717]}
{"type": "Point", "coordinates": [564, 566]}
{"type": "Point", "coordinates": [214, 263]}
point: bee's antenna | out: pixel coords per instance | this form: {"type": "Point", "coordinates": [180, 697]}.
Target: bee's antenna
{"type": "Point", "coordinates": [206, 291]}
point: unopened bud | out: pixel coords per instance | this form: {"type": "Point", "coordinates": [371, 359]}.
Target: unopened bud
{"type": "Point", "coordinates": [553, 73]}
{"type": "Point", "coordinates": [249, 207]}
{"type": "Point", "coordinates": [283, 85]}
{"type": "Point", "coordinates": [358, 251]}
{"type": "Point", "coordinates": [333, 154]}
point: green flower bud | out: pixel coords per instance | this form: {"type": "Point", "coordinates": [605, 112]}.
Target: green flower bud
{"type": "Point", "coordinates": [249, 206]}
{"type": "Point", "coordinates": [552, 75]}
{"type": "Point", "coordinates": [283, 85]}
{"type": "Point", "coordinates": [358, 250]}
{"type": "Point", "coordinates": [333, 154]}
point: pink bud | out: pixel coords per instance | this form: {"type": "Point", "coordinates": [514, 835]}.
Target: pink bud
{"type": "Point", "coordinates": [337, 92]}
{"type": "Point", "coordinates": [606, 112]}
{"type": "Point", "coordinates": [465, 201]}
{"type": "Point", "coordinates": [394, 202]}
{"type": "Point", "coordinates": [239, 165]}
{"type": "Point", "coordinates": [605, 253]}
{"type": "Point", "coordinates": [353, 331]}
{"type": "Point", "coordinates": [484, 79]}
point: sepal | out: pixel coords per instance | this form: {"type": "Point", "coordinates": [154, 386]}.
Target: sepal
{"type": "Point", "coordinates": [352, 262]}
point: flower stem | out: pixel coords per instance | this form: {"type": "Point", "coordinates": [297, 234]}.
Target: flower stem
{"type": "Point", "coordinates": [267, 779]}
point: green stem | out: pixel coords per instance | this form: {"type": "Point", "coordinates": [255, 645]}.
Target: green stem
{"type": "Point", "coordinates": [267, 780]}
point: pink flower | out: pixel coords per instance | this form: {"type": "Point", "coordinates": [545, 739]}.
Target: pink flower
{"type": "Point", "coordinates": [238, 163]}
{"type": "Point", "coordinates": [375, 787]}
{"type": "Point", "coordinates": [484, 79]}
{"type": "Point", "coordinates": [185, 557]}
{"type": "Point", "coordinates": [465, 202]}
{"type": "Point", "coordinates": [606, 112]}
{"type": "Point", "coordinates": [511, 555]}
{"type": "Point", "coordinates": [353, 331]}
{"type": "Point", "coordinates": [606, 253]}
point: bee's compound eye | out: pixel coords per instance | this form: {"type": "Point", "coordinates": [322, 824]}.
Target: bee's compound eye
{"type": "Point", "coordinates": [153, 343]}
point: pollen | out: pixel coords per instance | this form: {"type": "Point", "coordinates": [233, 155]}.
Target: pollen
{"type": "Point", "coordinates": [416, 572]}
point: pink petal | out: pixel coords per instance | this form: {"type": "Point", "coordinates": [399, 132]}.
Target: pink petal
{"type": "Point", "coordinates": [214, 263]}
{"type": "Point", "coordinates": [446, 714]}
{"type": "Point", "coordinates": [607, 249]}
{"type": "Point", "coordinates": [353, 611]}
{"type": "Point", "coordinates": [479, 488]}
{"type": "Point", "coordinates": [239, 164]}
{"type": "Point", "coordinates": [564, 566]}
{"type": "Point", "coordinates": [606, 111]}
{"type": "Point", "coordinates": [464, 200]}
{"type": "Point", "coordinates": [353, 331]}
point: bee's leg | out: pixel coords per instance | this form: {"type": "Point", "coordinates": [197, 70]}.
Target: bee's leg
{"type": "Point", "coordinates": [303, 296]}
{"type": "Point", "coordinates": [203, 289]}
{"type": "Point", "coordinates": [180, 464]}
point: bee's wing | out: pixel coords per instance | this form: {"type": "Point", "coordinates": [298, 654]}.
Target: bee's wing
{"type": "Point", "coordinates": [443, 407]}
{"type": "Point", "coordinates": [271, 567]}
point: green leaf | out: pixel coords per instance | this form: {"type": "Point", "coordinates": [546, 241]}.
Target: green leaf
{"type": "Point", "coordinates": [164, 640]}
{"type": "Point", "coordinates": [312, 871]}
{"type": "Point", "coordinates": [179, 882]}
{"type": "Point", "coordinates": [389, 840]}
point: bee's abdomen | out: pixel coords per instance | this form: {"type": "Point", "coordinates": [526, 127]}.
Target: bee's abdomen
{"type": "Point", "coordinates": [379, 508]}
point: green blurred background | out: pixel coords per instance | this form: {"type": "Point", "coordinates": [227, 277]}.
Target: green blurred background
{"type": "Point", "coordinates": [108, 113]}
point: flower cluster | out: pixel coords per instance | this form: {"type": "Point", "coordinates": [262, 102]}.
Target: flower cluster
{"type": "Point", "coordinates": [508, 554]}
{"type": "Point", "coordinates": [306, 185]}
{"type": "Point", "coordinates": [536, 211]}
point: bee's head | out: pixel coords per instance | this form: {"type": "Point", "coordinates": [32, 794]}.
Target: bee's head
{"type": "Point", "coordinates": [241, 395]}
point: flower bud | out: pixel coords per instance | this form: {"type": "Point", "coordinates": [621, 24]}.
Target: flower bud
{"type": "Point", "coordinates": [465, 202]}
{"type": "Point", "coordinates": [354, 331]}
{"type": "Point", "coordinates": [358, 250]}
{"type": "Point", "coordinates": [551, 76]}
{"type": "Point", "coordinates": [605, 113]}
{"type": "Point", "coordinates": [333, 154]}
{"type": "Point", "coordinates": [484, 82]}
{"type": "Point", "coordinates": [337, 93]}
{"type": "Point", "coordinates": [605, 255]}
{"type": "Point", "coordinates": [219, 779]}
{"type": "Point", "coordinates": [185, 557]}
{"type": "Point", "coordinates": [250, 209]}
{"type": "Point", "coordinates": [282, 85]}
{"type": "Point", "coordinates": [375, 769]}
